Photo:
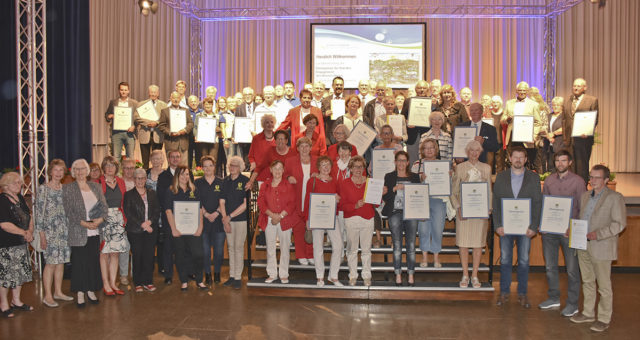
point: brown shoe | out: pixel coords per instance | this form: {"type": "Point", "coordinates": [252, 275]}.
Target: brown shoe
{"type": "Point", "coordinates": [581, 318]}
{"type": "Point", "coordinates": [599, 326]}
{"type": "Point", "coordinates": [502, 300]}
{"type": "Point", "coordinates": [524, 301]}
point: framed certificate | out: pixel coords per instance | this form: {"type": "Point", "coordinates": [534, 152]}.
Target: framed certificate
{"type": "Point", "coordinates": [257, 119]}
{"type": "Point", "coordinates": [462, 135]}
{"type": "Point", "coordinates": [584, 123]}
{"type": "Point", "coordinates": [337, 108]}
{"type": "Point", "coordinates": [522, 129]}
{"type": "Point", "coordinates": [437, 176]}
{"type": "Point", "coordinates": [419, 111]}
{"type": "Point", "coordinates": [396, 124]}
{"type": "Point", "coordinates": [177, 120]}
{"type": "Point", "coordinates": [362, 136]}
{"type": "Point", "coordinates": [382, 162]}
{"type": "Point", "coordinates": [373, 191]}
{"type": "Point", "coordinates": [578, 234]}
{"type": "Point", "coordinates": [228, 124]}
{"type": "Point", "coordinates": [187, 216]}
{"type": "Point", "coordinates": [122, 118]}
{"type": "Point", "coordinates": [474, 199]}
{"type": "Point", "coordinates": [416, 202]}
{"type": "Point", "coordinates": [516, 215]}
{"type": "Point", "coordinates": [148, 111]}
{"type": "Point", "coordinates": [242, 127]}
{"type": "Point", "coordinates": [206, 132]}
{"type": "Point", "coordinates": [322, 211]}
{"type": "Point", "coordinates": [556, 213]}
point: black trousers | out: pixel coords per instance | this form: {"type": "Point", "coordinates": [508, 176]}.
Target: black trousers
{"type": "Point", "coordinates": [167, 250]}
{"type": "Point", "coordinates": [581, 156]}
{"type": "Point", "coordinates": [145, 151]}
{"type": "Point", "coordinates": [85, 266]}
{"type": "Point", "coordinates": [189, 256]}
{"type": "Point", "coordinates": [142, 249]}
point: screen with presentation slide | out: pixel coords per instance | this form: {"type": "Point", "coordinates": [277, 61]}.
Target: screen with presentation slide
{"type": "Point", "coordinates": [393, 52]}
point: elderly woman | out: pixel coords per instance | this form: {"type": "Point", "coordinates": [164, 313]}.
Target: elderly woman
{"type": "Point", "coordinates": [209, 149]}
{"type": "Point", "coordinates": [358, 218]}
{"type": "Point", "coordinates": [319, 146]}
{"type": "Point", "coordinates": [233, 207]}
{"type": "Point", "coordinates": [540, 139]}
{"type": "Point", "coordinates": [554, 135]}
{"type": "Point", "coordinates": [51, 224]}
{"type": "Point", "coordinates": [86, 210]}
{"type": "Point", "coordinates": [232, 104]}
{"type": "Point", "coordinates": [352, 114]}
{"type": "Point", "coordinates": [157, 159]}
{"type": "Point", "coordinates": [94, 173]}
{"type": "Point", "coordinates": [277, 202]}
{"type": "Point", "coordinates": [445, 143]}
{"type": "Point", "coordinates": [260, 146]}
{"type": "Point", "coordinates": [453, 110]}
{"type": "Point", "coordinates": [340, 133]}
{"type": "Point", "coordinates": [142, 209]}
{"type": "Point", "coordinates": [495, 112]}
{"type": "Point", "coordinates": [470, 233]}
{"type": "Point", "coordinates": [382, 120]}
{"type": "Point", "coordinates": [16, 229]}
{"type": "Point", "coordinates": [298, 170]}
{"type": "Point", "coordinates": [280, 151]}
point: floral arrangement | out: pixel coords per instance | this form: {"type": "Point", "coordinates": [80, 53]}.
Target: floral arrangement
{"type": "Point", "coordinates": [198, 172]}
{"type": "Point", "coordinates": [544, 176]}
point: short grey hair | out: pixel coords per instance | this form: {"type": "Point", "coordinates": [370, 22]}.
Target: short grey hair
{"type": "Point", "coordinates": [558, 100]}
{"type": "Point", "coordinates": [139, 172]}
{"type": "Point", "coordinates": [471, 145]}
{"type": "Point", "coordinates": [344, 129]}
{"type": "Point", "coordinates": [76, 163]}
{"type": "Point", "coordinates": [264, 118]}
{"type": "Point", "coordinates": [235, 160]}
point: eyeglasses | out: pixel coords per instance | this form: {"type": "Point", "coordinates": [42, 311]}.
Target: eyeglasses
{"type": "Point", "coordinates": [596, 177]}
{"type": "Point", "coordinates": [128, 168]}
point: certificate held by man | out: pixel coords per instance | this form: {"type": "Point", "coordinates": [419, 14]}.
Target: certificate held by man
{"type": "Point", "coordinates": [419, 112]}
{"type": "Point", "coordinates": [474, 197]}
{"type": "Point", "coordinates": [516, 215]}
{"type": "Point", "coordinates": [187, 216]}
{"type": "Point", "coordinates": [122, 118]}
{"type": "Point", "coordinates": [416, 202]}
{"type": "Point", "coordinates": [522, 129]}
{"type": "Point", "coordinates": [584, 123]}
{"type": "Point", "coordinates": [361, 137]}
{"type": "Point", "coordinates": [177, 120]}
{"type": "Point", "coordinates": [462, 135]}
{"type": "Point", "coordinates": [373, 191]}
{"type": "Point", "coordinates": [578, 234]}
{"type": "Point", "coordinates": [148, 111]}
{"type": "Point", "coordinates": [206, 130]}
{"type": "Point", "coordinates": [556, 213]}
{"type": "Point", "coordinates": [322, 211]}
{"type": "Point", "coordinates": [242, 127]}
{"type": "Point", "coordinates": [337, 108]}
{"type": "Point", "coordinates": [382, 162]}
{"type": "Point", "coordinates": [437, 176]}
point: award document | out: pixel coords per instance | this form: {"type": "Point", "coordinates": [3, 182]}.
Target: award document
{"type": "Point", "coordinates": [437, 176]}
{"type": "Point", "coordinates": [474, 197]}
{"type": "Point", "coordinates": [322, 211]}
{"type": "Point", "coordinates": [228, 125]}
{"type": "Point", "coordinates": [337, 108]}
{"type": "Point", "coordinates": [121, 118]}
{"type": "Point", "coordinates": [382, 162]}
{"type": "Point", "coordinates": [584, 123]}
{"type": "Point", "coordinates": [361, 137]}
{"type": "Point", "coordinates": [419, 112]}
{"type": "Point", "coordinates": [578, 234]}
{"type": "Point", "coordinates": [396, 124]}
{"type": "Point", "coordinates": [206, 130]}
{"type": "Point", "coordinates": [242, 127]}
{"type": "Point", "coordinates": [187, 216]}
{"type": "Point", "coordinates": [257, 118]}
{"type": "Point", "coordinates": [556, 213]}
{"type": "Point", "coordinates": [177, 120]}
{"type": "Point", "coordinates": [522, 129]}
{"type": "Point", "coordinates": [462, 135]}
{"type": "Point", "coordinates": [373, 191]}
{"type": "Point", "coordinates": [416, 202]}
{"type": "Point", "coordinates": [516, 215]}
{"type": "Point", "coordinates": [148, 111]}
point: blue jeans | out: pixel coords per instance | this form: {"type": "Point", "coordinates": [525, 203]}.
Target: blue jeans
{"type": "Point", "coordinates": [506, 262]}
{"type": "Point", "coordinates": [122, 138]}
{"type": "Point", "coordinates": [216, 239]}
{"type": "Point", "coordinates": [398, 226]}
{"type": "Point", "coordinates": [431, 229]}
{"type": "Point", "coordinates": [551, 244]}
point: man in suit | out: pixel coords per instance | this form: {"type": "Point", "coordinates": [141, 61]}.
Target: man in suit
{"type": "Point", "coordinates": [297, 114]}
{"type": "Point", "coordinates": [126, 137]}
{"type": "Point", "coordinates": [178, 140]}
{"type": "Point", "coordinates": [414, 132]}
{"type": "Point", "coordinates": [149, 136]}
{"type": "Point", "coordinates": [465, 99]}
{"type": "Point", "coordinates": [581, 146]}
{"type": "Point", "coordinates": [375, 108]}
{"type": "Point", "coordinates": [605, 211]}
{"type": "Point", "coordinates": [487, 133]}
{"type": "Point", "coordinates": [364, 92]}
{"type": "Point", "coordinates": [164, 181]}
{"type": "Point", "coordinates": [318, 92]}
{"type": "Point", "coordinates": [245, 110]}
{"type": "Point", "coordinates": [290, 93]}
{"type": "Point", "coordinates": [338, 88]}
{"type": "Point", "coordinates": [517, 182]}
{"type": "Point", "coordinates": [522, 106]}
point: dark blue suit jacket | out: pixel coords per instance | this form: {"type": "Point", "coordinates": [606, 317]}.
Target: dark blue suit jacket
{"type": "Point", "coordinates": [490, 136]}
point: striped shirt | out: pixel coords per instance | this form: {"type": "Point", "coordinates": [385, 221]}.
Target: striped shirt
{"type": "Point", "coordinates": [445, 143]}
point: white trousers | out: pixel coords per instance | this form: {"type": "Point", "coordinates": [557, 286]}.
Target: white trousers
{"type": "Point", "coordinates": [359, 232]}
{"type": "Point", "coordinates": [270, 234]}
{"type": "Point", "coordinates": [335, 236]}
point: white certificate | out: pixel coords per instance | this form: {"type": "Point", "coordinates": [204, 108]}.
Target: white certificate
{"type": "Point", "coordinates": [416, 202]}
{"type": "Point", "coordinates": [578, 234]}
{"type": "Point", "coordinates": [361, 137]}
{"type": "Point", "coordinates": [437, 176]}
{"type": "Point", "coordinates": [584, 123]}
{"type": "Point", "coordinates": [462, 135]}
{"type": "Point", "coordinates": [148, 111]}
{"type": "Point", "coordinates": [206, 132]}
{"type": "Point", "coordinates": [522, 129]}
{"type": "Point", "coordinates": [382, 162]}
{"type": "Point", "coordinates": [556, 213]}
{"type": "Point", "coordinates": [474, 197]}
{"type": "Point", "coordinates": [337, 108]}
{"type": "Point", "coordinates": [488, 121]}
{"type": "Point", "coordinates": [121, 118]}
{"type": "Point", "coordinates": [187, 216]}
{"type": "Point", "coordinates": [419, 111]}
{"type": "Point", "coordinates": [396, 124]}
{"type": "Point", "coordinates": [177, 120]}
{"type": "Point", "coordinates": [242, 127]}
{"type": "Point", "coordinates": [322, 211]}
{"type": "Point", "coordinates": [228, 125]}
{"type": "Point", "coordinates": [257, 118]}
{"type": "Point", "coordinates": [373, 191]}
{"type": "Point", "coordinates": [516, 215]}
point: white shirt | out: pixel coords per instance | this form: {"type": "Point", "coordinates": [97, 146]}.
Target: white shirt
{"type": "Point", "coordinates": [306, 170]}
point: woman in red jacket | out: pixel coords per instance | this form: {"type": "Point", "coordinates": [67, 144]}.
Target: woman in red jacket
{"type": "Point", "coordinates": [319, 145]}
{"type": "Point", "coordinates": [280, 151]}
{"type": "Point", "coordinates": [260, 146]}
{"type": "Point", "coordinates": [277, 204]}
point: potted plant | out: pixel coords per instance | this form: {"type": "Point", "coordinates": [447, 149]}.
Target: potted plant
{"type": "Point", "coordinates": [612, 181]}
{"type": "Point", "coordinates": [543, 177]}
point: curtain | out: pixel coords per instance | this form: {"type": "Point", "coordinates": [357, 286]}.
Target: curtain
{"type": "Point", "coordinates": [8, 101]}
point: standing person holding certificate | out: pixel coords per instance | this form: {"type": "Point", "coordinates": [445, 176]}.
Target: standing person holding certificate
{"type": "Point", "coordinates": [206, 148]}
{"type": "Point", "coordinates": [351, 116]}
{"type": "Point", "coordinates": [148, 136]}
{"type": "Point", "coordinates": [470, 233]}
{"type": "Point", "coordinates": [327, 111]}
{"type": "Point", "coordinates": [486, 135]}
{"type": "Point", "coordinates": [389, 115]}
{"type": "Point", "coordinates": [445, 142]}
{"type": "Point", "coordinates": [176, 125]}
{"type": "Point", "coordinates": [259, 151]}
{"type": "Point", "coordinates": [605, 211]}
{"type": "Point", "coordinates": [517, 182]}
{"type": "Point", "coordinates": [122, 134]}
{"type": "Point", "coordinates": [188, 248]}
{"type": "Point", "coordinates": [413, 131]}
{"type": "Point", "coordinates": [393, 208]}
{"type": "Point", "coordinates": [521, 106]}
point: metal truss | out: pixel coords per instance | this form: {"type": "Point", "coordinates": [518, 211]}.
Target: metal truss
{"type": "Point", "coordinates": [195, 60]}
{"type": "Point", "coordinates": [549, 71]}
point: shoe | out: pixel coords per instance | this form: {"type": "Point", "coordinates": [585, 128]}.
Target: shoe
{"type": "Point", "coordinates": [502, 300]}
{"type": "Point", "coordinates": [108, 292]}
{"type": "Point", "coordinates": [228, 282]}
{"type": "Point", "coordinates": [63, 297]}
{"type": "Point", "coordinates": [237, 284]}
{"type": "Point", "coordinates": [52, 304]}
{"type": "Point", "coordinates": [549, 304]}
{"type": "Point", "coordinates": [150, 288]}
{"type": "Point", "coordinates": [569, 310]}
{"type": "Point", "coordinates": [207, 278]}
{"type": "Point", "coordinates": [202, 286]}
{"type": "Point", "coordinates": [398, 284]}
{"type": "Point", "coordinates": [139, 289]}
{"type": "Point", "coordinates": [23, 307]}
{"type": "Point", "coordinates": [184, 287]}
{"type": "Point", "coordinates": [367, 282]}
{"type": "Point", "coordinates": [8, 313]}
{"type": "Point", "coordinates": [284, 281]}
{"type": "Point", "coordinates": [524, 301]}
{"type": "Point", "coordinates": [352, 282]}
{"type": "Point", "coordinates": [303, 262]}
{"type": "Point", "coordinates": [320, 283]}
{"type": "Point", "coordinates": [312, 262]}
{"type": "Point", "coordinates": [599, 326]}
{"type": "Point", "coordinates": [336, 282]}
{"type": "Point", "coordinates": [270, 280]}
{"type": "Point", "coordinates": [93, 300]}
{"type": "Point", "coordinates": [424, 264]}
{"type": "Point", "coordinates": [80, 303]}
{"type": "Point", "coordinates": [119, 291]}
{"type": "Point", "coordinates": [437, 265]}
{"type": "Point", "coordinates": [475, 283]}
{"type": "Point", "coordinates": [581, 318]}
{"type": "Point", "coordinates": [464, 283]}
{"type": "Point", "coordinates": [168, 281]}
{"type": "Point", "coordinates": [124, 281]}
{"type": "Point", "coordinates": [216, 277]}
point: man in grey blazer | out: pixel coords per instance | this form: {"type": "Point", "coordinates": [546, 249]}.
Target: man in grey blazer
{"type": "Point", "coordinates": [126, 137]}
{"type": "Point", "coordinates": [605, 211]}
{"type": "Point", "coordinates": [517, 182]}
{"type": "Point", "coordinates": [149, 136]}
{"type": "Point", "coordinates": [175, 140]}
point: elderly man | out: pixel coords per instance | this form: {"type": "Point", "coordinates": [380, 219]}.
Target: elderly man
{"type": "Point", "coordinates": [605, 211]}
{"type": "Point", "coordinates": [487, 136]}
{"type": "Point", "coordinates": [318, 92]}
{"type": "Point", "coordinates": [121, 136]}
{"type": "Point", "coordinates": [270, 105]}
{"type": "Point", "coordinates": [176, 139]}
{"type": "Point", "coordinates": [279, 93]}
{"type": "Point", "coordinates": [246, 108]}
{"type": "Point", "coordinates": [522, 106]}
{"type": "Point", "coordinates": [363, 92]}
{"type": "Point", "coordinates": [389, 104]}
{"type": "Point", "coordinates": [290, 93]}
{"type": "Point", "coordinates": [465, 99]}
{"type": "Point", "coordinates": [211, 92]}
{"type": "Point", "coordinates": [414, 132]}
{"type": "Point", "coordinates": [181, 88]}
{"type": "Point", "coordinates": [436, 85]}
{"type": "Point", "coordinates": [580, 146]}
{"type": "Point", "coordinates": [375, 108]}
{"type": "Point", "coordinates": [149, 137]}
{"type": "Point", "coordinates": [338, 88]}
{"type": "Point", "coordinates": [297, 114]}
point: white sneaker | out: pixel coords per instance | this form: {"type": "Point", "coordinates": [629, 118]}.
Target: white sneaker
{"type": "Point", "coordinates": [336, 282]}
{"type": "Point", "coordinates": [312, 262]}
{"type": "Point", "coordinates": [320, 283]}
{"type": "Point", "coordinates": [269, 280]}
{"type": "Point", "coordinates": [285, 281]}
{"type": "Point", "coordinates": [303, 262]}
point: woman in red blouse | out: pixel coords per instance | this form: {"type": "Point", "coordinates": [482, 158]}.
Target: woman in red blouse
{"type": "Point", "coordinates": [280, 151]}
{"type": "Point", "coordinates": [260, 146]}
{"type": "Point", "coordinates": [278, 215]}
{"type": "Point", "coordinates": [319, 145]}
{"type": "Point", "coordinates": [340, 133]}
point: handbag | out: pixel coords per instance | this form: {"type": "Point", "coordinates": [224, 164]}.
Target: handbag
{"type": "Point", "coordinates": [35, 243]}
